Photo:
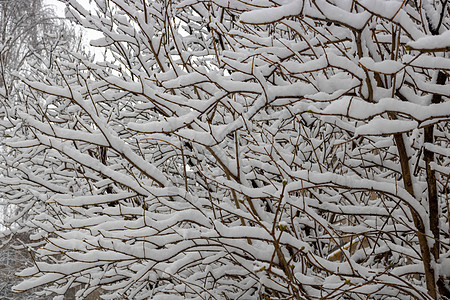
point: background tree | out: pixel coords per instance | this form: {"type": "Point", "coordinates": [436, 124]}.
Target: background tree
{"type": "Point", "coordinates": [243, 149]}
{"type": "Point", "coordinates": [30, 35]}
{"type": "Point", "coordinates": [27, 29]}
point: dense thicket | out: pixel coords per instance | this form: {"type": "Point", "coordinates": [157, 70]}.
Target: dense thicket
{"type": "Point", "coordinates": [241, 150]}
{"type": "Point", "coordinates": [30, 35]}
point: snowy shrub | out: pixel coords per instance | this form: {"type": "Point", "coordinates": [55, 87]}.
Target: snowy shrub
{"type": "Point", "coordinates": [241, 149]}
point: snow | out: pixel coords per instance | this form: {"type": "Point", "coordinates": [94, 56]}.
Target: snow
{"type": "Point", "coordinates": [168, 125]}
{"type": "Point", "coordinates": [359, 109]}
{"type": "Point", "coordinates": [445, 267]}
{"type": "Point", "coordinates": [339, 15]}
{"type": "Point", "coordinates": [379, 126]}
{"type": "Point", "coordinates": [391, 10]}
{"type": "Point", "coordinates": [439, 42]}
{"type": "Point", "coordinates": [383, 67]}
{"type": "Point", "coordinates": [91, 200]}
{"type": "Point", "coordinates": [270, 15]}
{"type": "Point", "coordinates": [427, 62]}
{"type": "Point", "coordinates": [204, 161]}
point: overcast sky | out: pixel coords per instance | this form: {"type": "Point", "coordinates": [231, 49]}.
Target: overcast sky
{"type": "Point", "coordinates": [59, 7]}
{"type": "Point", "coordinates": [87, 33]}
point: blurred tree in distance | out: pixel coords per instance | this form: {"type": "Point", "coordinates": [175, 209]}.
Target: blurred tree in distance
{"type": "Point", "coordinates": [30, 36]}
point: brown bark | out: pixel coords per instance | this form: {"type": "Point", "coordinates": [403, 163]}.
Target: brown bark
{"type": "Point", "coordinates": [428, 157]}
{"type": "Point", "coordinates": [424, 249]}
{"type": "Point", "coordinates": [433, 203]}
